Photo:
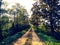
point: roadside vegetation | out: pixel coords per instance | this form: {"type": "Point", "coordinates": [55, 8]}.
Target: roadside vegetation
{"type": "Point", "coordinates": [45, 20]}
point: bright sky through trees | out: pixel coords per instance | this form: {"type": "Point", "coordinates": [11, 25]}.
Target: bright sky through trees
{"type": "Point", "coordinates": [26, 3]}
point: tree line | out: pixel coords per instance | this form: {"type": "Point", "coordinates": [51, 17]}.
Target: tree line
{"type": "Point", "coordinates": [12, 20]}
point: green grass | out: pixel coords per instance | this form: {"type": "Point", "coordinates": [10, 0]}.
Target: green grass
{"type": "Point", "coordinates": [49, 40]}
{"type": "Point", "coordinates": [10, 39]}
{"type": "Point", "coordinates": [52, 43]}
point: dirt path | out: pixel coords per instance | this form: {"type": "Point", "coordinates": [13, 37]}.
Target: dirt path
{"type": "Point", "coordinates": [29, 38]}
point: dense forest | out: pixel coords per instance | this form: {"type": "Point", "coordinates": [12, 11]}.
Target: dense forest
{"type": "Point", "coordinates": [45, 20]}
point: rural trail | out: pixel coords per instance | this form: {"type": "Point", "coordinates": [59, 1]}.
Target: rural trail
{"type": "Point", "coordinates": [29, 38]}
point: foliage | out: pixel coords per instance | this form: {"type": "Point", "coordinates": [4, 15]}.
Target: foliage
{"type": "Point", "coordinates": [53, 13]}
{"type": "Point", "coordinates": [14, 37]}
{"type": "Point", "coordinates": [54, 16]}
{"type": "Point", "coordinates": [46, 12]}
{"type": "Point", "coordinates": [49, 40]}
{"type": "Point", "coordinates": [13, 21]}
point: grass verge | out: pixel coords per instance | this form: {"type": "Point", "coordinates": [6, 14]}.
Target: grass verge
{"type": "Point", "coordinates": [10, 39]}
{"type": "Point", "coordinates": [49, 40]}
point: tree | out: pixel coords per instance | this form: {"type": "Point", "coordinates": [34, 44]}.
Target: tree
{"type": "Point", "coordinates": [20, 17]}
{"type": "Point", "coordinates": [48, 10]}
{"type": "Point", "coordinates": [23, 16]}
{"type": "Point", "coordinates": [37, 11]}
{"type": "Point", "coordinates": [19, 12]}
{"type": "Point", "coordinates": [54, 8]}
{"type": "Point", "coordinates": [19, 20]}
{"type": "Point", "coordinates": [0, 22]}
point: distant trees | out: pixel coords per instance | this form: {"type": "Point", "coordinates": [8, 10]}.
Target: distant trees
{"type": "Point", "coordinates": [19, 13]}
{"type": "Point", "coordinates": [13, 20]}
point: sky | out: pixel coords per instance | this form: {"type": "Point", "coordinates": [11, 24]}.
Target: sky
{"type": "Point", "coordinates": [26, 3]}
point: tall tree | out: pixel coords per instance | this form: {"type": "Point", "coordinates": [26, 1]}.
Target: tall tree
{"type": "Point", "coordinates": [47, 9]}
{"type": "Point", "coordinates": [19, 12]}
{"type": "Point", "coordinates": [54, 8]}
{"type": "Point", "coordinates": [37, 11]}
{"type": "Point", "coordinates": [20, 16]}
{"type": "Point", "coordinates": [0, 21]}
